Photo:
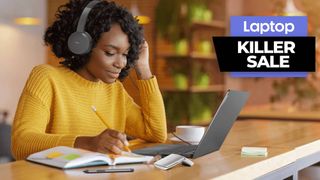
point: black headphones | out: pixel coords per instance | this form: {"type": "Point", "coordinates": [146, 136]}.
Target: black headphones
{"type": "Point", "coordinates": [79, 42]}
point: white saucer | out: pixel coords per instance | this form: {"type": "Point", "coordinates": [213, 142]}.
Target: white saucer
{"type": "Point", "coordinates": [178, 140]}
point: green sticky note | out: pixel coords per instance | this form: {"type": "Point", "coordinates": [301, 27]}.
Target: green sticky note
{"type": "Point", "coordinates": [71, 157]}
{"type": "Point", "coordinates": [254, 151]}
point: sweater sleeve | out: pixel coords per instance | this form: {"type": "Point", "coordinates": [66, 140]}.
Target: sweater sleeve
{"type": "Point", "coordinates": [147, 122]}
{"type": "Point", "coordinates": [32, 118]}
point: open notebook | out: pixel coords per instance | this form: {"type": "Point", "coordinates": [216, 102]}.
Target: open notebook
{"type": "Point", "coordinates": [66, 157]}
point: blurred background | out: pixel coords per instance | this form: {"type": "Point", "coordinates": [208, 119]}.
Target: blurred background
{"type": "Point", "coordinates": [181, 54]}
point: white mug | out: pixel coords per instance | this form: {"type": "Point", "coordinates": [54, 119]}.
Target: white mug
{"type": "Point", "coordinates": [190, 133]}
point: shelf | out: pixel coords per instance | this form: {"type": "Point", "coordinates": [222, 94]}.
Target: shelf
{"type": "Point", "coordinates": [195, 89]}
{"type": "Point", "coordinates": [283, 112]}
{"type": "Point", "coordinates": [212, 24]}
{"type": "Point", "coordinates": [188, 57]}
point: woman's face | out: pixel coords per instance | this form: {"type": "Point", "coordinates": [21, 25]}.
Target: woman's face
{"type": "Point", "coordinates": [108, 57]}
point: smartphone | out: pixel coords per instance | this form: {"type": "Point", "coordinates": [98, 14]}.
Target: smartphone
{"type": "Point", "coordinates": [115, 170]}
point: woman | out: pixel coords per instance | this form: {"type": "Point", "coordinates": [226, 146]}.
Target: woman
{"type": "Point", "coordinates": [82, 104]}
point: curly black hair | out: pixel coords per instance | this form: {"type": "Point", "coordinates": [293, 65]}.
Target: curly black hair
{"type": "Point", "coordinates": [99, 20]}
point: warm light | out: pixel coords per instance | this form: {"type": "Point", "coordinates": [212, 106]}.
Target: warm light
{"type": "Point", "coordinates": [136, 13]}
{"type": "Point", "coordinates": [291, 10]}
{"type": "Point", "coordinates": [143, 19]}
{"type": "Point", "coordinates": [27, 21]}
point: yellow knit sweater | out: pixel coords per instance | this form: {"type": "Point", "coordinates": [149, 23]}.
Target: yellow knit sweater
{"type": "Point", "coordinates": [55, 108]}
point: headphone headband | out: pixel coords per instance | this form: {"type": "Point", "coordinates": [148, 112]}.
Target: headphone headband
{"type": "Point", "coordinates": [84, 15]}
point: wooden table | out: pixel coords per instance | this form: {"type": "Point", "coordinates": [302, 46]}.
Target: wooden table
{"type": "Point", "coordinates": [285, 141]}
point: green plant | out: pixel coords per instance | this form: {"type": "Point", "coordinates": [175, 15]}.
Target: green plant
{"type": "Point", "coordinates": [197, 108]}
{"type": "Point", "coordinates": [180, 81]}
{"type": "Point", "coordinates": [173, 18]}
{"type": "Point", "coordinates": [201, 106]}
{"type": "Point", "coordinates": [176, 106]}
{"type": "Point", "coordinates": [181, 47]}
{"type": "Point", "coordinates": [200, 77]}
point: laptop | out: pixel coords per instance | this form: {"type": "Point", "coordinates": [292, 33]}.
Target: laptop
{"type": "Point", "coordinates": [215, 134]}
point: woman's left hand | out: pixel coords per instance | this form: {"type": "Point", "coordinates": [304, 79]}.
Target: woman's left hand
{"type": "Point", "coordinates": [142, 66]}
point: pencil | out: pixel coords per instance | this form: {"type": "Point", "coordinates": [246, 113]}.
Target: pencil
{"type": "Point", "coordinates": [94, 109]}
{"type": "Point", "coordinates": [127, 149]}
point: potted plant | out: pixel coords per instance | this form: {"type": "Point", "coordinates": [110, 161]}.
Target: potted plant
{"type": "Point", "coordinates": [174, 18]}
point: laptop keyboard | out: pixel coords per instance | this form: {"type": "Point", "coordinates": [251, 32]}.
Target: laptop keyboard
{"type": "Point", "coordinates": [167, 149]}
{"type": "Point", "coordinates": [184, 149]}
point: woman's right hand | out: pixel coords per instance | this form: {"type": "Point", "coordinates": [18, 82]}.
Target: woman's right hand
{"type": "Point", "coordinates": [109, 141]}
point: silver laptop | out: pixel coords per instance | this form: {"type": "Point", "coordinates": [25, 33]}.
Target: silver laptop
{"type": "Point", "coordinates": [215, 135]}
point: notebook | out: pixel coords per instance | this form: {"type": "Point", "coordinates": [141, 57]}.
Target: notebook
{"type": "Point", "coordinates": [66, 157]}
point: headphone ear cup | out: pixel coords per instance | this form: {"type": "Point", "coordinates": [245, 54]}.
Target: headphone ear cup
{"type": "Point", "coordinates": [79, 43]}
